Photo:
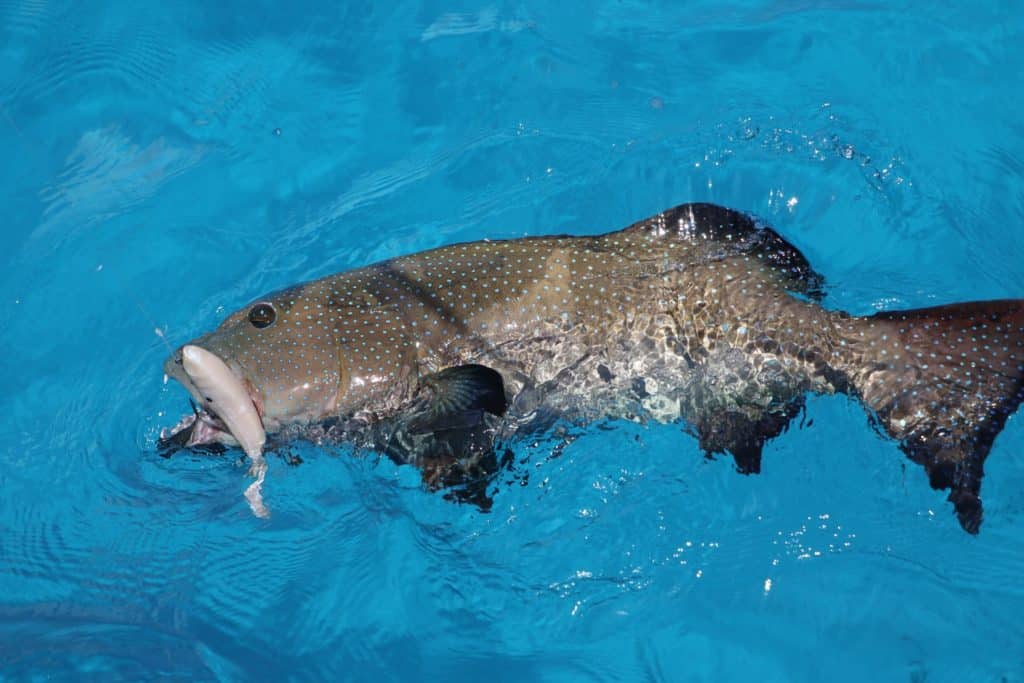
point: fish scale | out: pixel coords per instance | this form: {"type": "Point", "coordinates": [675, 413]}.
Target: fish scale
{"type": "Point", "coordinates": [698, 314]}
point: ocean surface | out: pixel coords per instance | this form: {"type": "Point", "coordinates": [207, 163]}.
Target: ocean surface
{"type": "Point", "coordinates": [164, 164]}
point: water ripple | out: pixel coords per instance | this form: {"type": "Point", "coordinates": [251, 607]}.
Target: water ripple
{"type": "Point", "coordinates": [173, 162]}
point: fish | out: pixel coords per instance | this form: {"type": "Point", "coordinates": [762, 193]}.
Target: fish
{"type": "Point", "coordinates": [700, 315]}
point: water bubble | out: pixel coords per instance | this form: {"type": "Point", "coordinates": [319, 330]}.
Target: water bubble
{"type": "Point", "coordinates": [747, 130]}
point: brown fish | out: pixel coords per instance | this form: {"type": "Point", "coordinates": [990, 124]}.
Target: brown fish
{"type": "Point", "coordinates": [698, 314]}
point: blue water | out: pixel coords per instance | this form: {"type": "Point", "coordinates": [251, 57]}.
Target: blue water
{"type": "Point", "coordinates": [164, 164]}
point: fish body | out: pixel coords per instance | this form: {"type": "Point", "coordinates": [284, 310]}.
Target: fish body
{"type": "Point", "coordinates": [699, 314]}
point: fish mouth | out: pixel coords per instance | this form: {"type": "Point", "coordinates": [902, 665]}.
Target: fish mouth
{"type": "Point", "coordinates": [230, 413]}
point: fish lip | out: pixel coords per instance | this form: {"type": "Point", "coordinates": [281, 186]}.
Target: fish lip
{"type": "Point", "coordinates": [216, 427]}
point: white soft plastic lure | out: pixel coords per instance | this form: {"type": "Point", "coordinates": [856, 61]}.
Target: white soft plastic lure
{"type": "Point", "coordinates": [222, 392]}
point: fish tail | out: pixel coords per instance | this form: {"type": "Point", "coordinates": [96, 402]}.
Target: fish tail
{"type": "Point", "coordinates": [942, 381]}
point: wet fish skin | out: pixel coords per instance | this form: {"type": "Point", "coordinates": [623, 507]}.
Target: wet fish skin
{"type": "Point", "coordinates": [715, 315]}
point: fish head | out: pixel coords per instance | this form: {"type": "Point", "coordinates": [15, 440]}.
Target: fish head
{"type": "Point", "coordinates": [268, 365]}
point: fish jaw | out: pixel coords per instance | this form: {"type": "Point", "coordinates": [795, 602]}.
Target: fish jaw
{"type": "Point", "coordinates": [221, 391]}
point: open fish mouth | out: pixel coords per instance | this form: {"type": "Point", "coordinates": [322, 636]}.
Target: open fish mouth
{"type": "Point", "coordinates": [200, 431]}
{"type": "Point", "coordinates": [230, 413]}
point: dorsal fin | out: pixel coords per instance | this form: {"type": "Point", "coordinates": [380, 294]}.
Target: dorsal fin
{"type": "Point", "coordinates": [738, 233]}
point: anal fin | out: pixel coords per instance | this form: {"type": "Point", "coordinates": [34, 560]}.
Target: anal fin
{"type": "Point", "coordinates": [743, 436]}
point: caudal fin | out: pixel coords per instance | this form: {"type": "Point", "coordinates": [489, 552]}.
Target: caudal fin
{"type": "Point", "coordinates": [942, 381]}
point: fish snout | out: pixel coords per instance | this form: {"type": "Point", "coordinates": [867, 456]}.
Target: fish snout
{"type": "Point", "coordinates": [174, 367]}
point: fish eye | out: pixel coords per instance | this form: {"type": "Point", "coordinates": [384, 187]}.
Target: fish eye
{"type": "Point", "coordinates": [262, 315]}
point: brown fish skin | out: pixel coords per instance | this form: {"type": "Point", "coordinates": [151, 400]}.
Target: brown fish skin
{"type": "Point", "coordinates": [697, 313]}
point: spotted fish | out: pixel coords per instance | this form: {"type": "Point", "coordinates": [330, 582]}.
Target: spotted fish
{"type": "Point", "coordinates": [699, 314]}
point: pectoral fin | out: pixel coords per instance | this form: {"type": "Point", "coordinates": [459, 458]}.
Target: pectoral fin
{"type": "Point", "coordinates": [447, 432]}
{"type": "Point", "coordinates": [458, 397]}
